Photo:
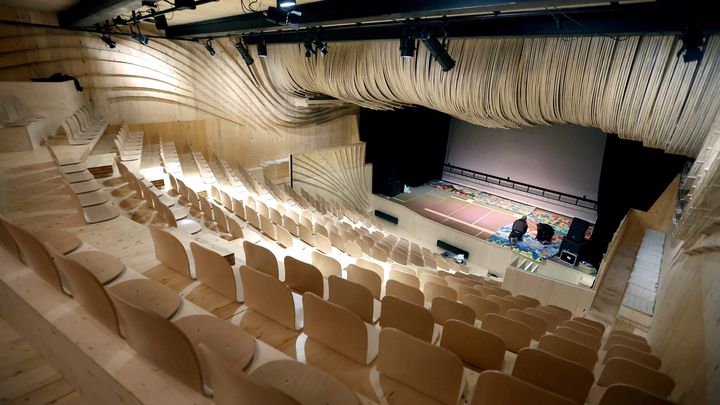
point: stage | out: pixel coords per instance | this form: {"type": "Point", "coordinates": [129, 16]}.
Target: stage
{"type": "Point", "coordinates": [485, 216]}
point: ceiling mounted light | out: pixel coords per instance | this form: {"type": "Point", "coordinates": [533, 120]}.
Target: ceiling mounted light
{"type": "Point", "coordinates": [321, 46]}
{"type": "Point", "coordinates": [262, 49]}
{"type": "Point", "coordinates": [309, 51]}
{"type": "Point", "coordinates": [209, 47]}
{"type": "Point", "coordinates": [108, 41]}
{"type": "Point", "coordinates": [407, 44]}
{"type": "Point", "coordinates": [244, 52]}
{"type": "Point", "coordinates": [438, 52]}
{"type": "Point", "coordinates": [286, 3]}
{"type": "Point", "coordinates": [161, 22]}
{"type": "Point", "coordinates": [138, 36]}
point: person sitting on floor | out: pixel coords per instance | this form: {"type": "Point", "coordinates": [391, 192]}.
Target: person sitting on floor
{"type": "Point", "coordinates": [545, 233]}
{"type": "Point", "coordinates": [519, 228]}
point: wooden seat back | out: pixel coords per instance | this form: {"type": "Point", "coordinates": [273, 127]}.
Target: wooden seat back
{"type": "Point", "coordinates": [433, 290]}
{"type": "Point", "coordinates": [303, 277]}
{"type": "Point", "coordinates": [290, 225]}
{"type": "Point", "coordinates": [326, 264]}
{"type": "Point", "coordinates": [590, 322]}
{"type": "Point", "coordinates": [268, 296]}
{"type": "Point", "coordinates": [537, 326]}
{"type": "Point", "coordinates": [554, 374]}
{"type": "Point", "coordinates": [235, 228]}
{"type": "Point", "coordinates": [260, 259]}
{"type": "Point", "coordinates": [214, 271]}
{"type": "Point", "coordinates": [412, 319]}
{"type": "Point", "coordinates": [35, 255]}
{"type": "Point", "coordinates": [403, 269]}
{"type": "Point", "coordinates": [569, 350]}
{"type": "Point", "coordinates": [405, 278]}
{"type": "Point", "coordinates": [479, 348]}
{"type": "Point", "coordinates": [352, 249]}
{"type": "Point", "coordinates": [424, 367]}
{"type": "Point", "coordinates": [638, 356]}
{"type": "Point", "coordinates": [367, 264]}
{"type": "Point", "coordinates": [306, 235]}
{"type": "Point", "coordinates": [551, 320]}
{"type": "Point", "coordinates": [426, 277]}
{"type": "Point", "coordinates": [494, 387]}
{"type": "Point", "coordinates": [352, 296]}
{"type": "Point", "coordinates": [367, 278]}
{"type": "Point", "coordinates": [624, 394]}
{"type": "Point", "coordinates": [627, 335]}
{"type": "Point", "coordinates": [283, 236]}
{"type": "Point", "coordinates": [87, 290]}
{"type": "Point", "coordinates": [267, 227]}
{"type": "Point", "coordinates": [159, 341]}
{"type": "Point", "coordinates": [443, 310]}
{"type": "Point", "coordinates": [336, 327]}
{"type": "Point", "coordinates": [515, 334]}
{"type": "Point", "coordinates": [337, 241]}
{"type": "Point", "coordinates": [322, 243]}
{"type": "Point", "coordinates": [505, 305]}
{"type": "Point", "coordinates": [404, 292]}
{"type": "Point", "coordinates": [231, 386]}
{"type": "Point", "coordinates": [579, 326]}
{"type": "Point", "coordinates": [579, 337]}
{"type": "Point", "coordinates": [239, 209]}
{"type": "Point", "coordinates": [533, 301]}
{"type": "Point", "coordinates": [561, 313]}
{"type": "Point", "coordinates": [480, 305]}
{"type": "Point", "coordinates": [627, 341]}
{"type": "Point", "coordinates": [623, 371]}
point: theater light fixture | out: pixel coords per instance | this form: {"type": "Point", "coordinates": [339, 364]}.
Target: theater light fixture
{"type": "Point", "coordinates": [244, 52]}
{"type": "Point", "coordinates": [438, 51]}
{"type": "Point", "coordinates": [321, 46]}
{"type": "Point", "coordinates": [407, 43]}
{"type": "Point", "coordinates": [139, 36]}
{"type": "Point", "coordinates": [286, 3]}
{"type": "Point", "coordinates": [693, 46]}
{"type": "Point", "coordinates": [262, 49]}
{"type": "Point", "coordinates": [209, 47]}
{"type": "Point", "coordinates": [108, 41]}
{"type": "Point", "coordinates": [309, 51]}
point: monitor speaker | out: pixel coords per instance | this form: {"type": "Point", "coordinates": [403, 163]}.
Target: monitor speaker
{"type": "Point", "coordinates": [453, 249]}
{"type": "Point", "coordinates": [386, 216]}
{"type": "Point", "coordinates": [578, 228]}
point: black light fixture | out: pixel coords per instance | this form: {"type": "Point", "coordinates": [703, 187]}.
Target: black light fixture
{"type": "Point", "coordinates": [244, 52]}
{"type": "Point", "coordinates": [209, 47]}
{"type": "Point", "coordinates": [309, 51]}
{"type": "Point", "coordinates": [286, 3]}
{"type": "Point", "coordinates": [108, 41]}
{"type": "Point", "coordinates": [693, 46]}
{"type": "Point", "coordinates": [438, 51]}
{"type": "Point", "coordinates": [161, 22]}
{"type": "Point", "coordinates": [262, 48]}
{"type": "Point", "coordinates": [407, 43]}
{"type": "Point", "coordinates": [321, 46]}
{"type": "Point", "coordinates": [139, 36]}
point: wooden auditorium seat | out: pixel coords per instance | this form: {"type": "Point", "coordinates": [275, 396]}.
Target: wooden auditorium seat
{"type": "Point", "coordinates": [626, 341]}
{"type": "Point", "coordinates": [322, 243]}
{"type": "Point", "coordinates": [352, 249]}
{"type": "Point", "coordinates": [354, 297]}
{"type": "Point", "coordinates": [633, 354]}
{"type": "Point", "coordinates": [554, 374]}
{"type": "Point", "coordinates": [639, 338]}
{"type": "Point", "coordinates": [407, 317]}
{"type": "Point", "coordinates": [366, 278]}
{"type": "Point", "coordinates": [327, 265]}
{"type": "Point", "coordinates": [624, 394]}
{"type": "Point", "coordinates": [551, 320]}
{"type": "Point", "coordinates": [480, 305]}
{"type": "Point", "coordinates": [533, 301]}
{"type": "Point", "coordinates": [433, 290]}
{"type": "Point", "coordinates": [590, 322]}
{"type": "Point", "coordinates": [367, 264]}
{"type": "Point", "coordinates": [494, 388]}
{"type": "Point", "coordinates": [537, 326]}
{"type": "Point", "coordinates": [303, 277]}
{"type": "Point", "coordinates": [561, 313]}
{"type": "Point", "coordinates": [444, 309]}
{"type": "Point", "coordinates": [479, 348]}
{"type": "Point", "coordinates": [268, 296]}
{"type": "Point", "coordinates": [581, 327]}
{"type": "Point", "coordinates": [170, 252]}
{"type": "Point", "coordinates": [579, 337]}
{"type": "Point", "coordinates": [260, 259]}
{"type": "Point", "coordinates": [405, 278]}
{"type": "Point", "coordinates": [431, 370]}
{"type": "Point", "coordinates": [405, 292]}
{"type": "Point", "coordinates": [623, 371]}
{"type": "Point", "coordinates": [515, 334]}
{"type": "Point", "coordinates": [340, 329]}
{"type": "Point", "coordinates": [215, 271]}
{"type": "Point", "coordinates": [569, 350]}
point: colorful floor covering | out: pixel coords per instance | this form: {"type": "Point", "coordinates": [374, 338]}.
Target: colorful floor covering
{"type": "Point", "coordinates": [483, 197]}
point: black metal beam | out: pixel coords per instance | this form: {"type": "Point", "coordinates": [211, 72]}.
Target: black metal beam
{"type": "Point", "coordinates": [353, 11]}
{"type": "Point", "coordinates": [89, 12]}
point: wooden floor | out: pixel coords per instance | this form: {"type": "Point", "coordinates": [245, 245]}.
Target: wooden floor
{"type": "Point", "coordinates": [25, 376]}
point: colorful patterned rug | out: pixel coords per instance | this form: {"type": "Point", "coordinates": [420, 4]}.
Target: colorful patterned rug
{"type": "Point", "coordinates": [483, 197]}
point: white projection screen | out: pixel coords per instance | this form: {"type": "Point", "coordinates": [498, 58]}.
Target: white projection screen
{"type": "Point", "coordinates": [564, 158]}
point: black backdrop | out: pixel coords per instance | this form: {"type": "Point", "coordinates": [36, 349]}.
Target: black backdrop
{"type": "Point", "coordinates": [405, 146]}
{"type": "Point", "coordinates": [632, 176]}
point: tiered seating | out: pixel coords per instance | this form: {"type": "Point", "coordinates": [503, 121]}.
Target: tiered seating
{"type": "Point", "coordinates": [84, 129]}
{"type": "Point", "coordinates": [203, 167]}
{"type": "Point", "coordinates": [13, 113]}
{"type": "Point", "coordinates": [129, 144]}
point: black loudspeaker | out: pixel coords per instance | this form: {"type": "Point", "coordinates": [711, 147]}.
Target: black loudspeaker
{"type": "Point", "coordinates": [452, 249]}
{"type": "Point", "coordinates": [390, 187]}
{"type": "Point", "coordinates": [577, 230]}
{"type": "Point", "coordinates": [570, 251]}
{"type": "Point", "coordinates": [386, 216]}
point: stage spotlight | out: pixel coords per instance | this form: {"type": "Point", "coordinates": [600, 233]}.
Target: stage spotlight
{"type": "Point", "coordinates": [309, 51]}
{"type": "Point", "coordinates": [693, 46]}
{"type": "Point", "coordinates": [286, 3]}
{"type": "Point", "coordinates": [407, 44]}
{"type": "Point", "coordinates": [161, 22]}
{"type": "Point", "coordinates": [108, 41]}
{"type": "Point", "coordinates": [244, 52]}
{"type": "Point", "coordinates": [438, 52]}
{"type": "Point", "coordinates": [262, 49]}
{"type": "Point", "coordinates": [321, 46]}
{"type": "Point", "coordinates": [143, 39]}
{"type": "Point", "coordinates": [209, 47]}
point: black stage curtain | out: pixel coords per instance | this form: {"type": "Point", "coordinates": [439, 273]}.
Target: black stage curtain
{"type": "Point", "coordinates": [405, 146]}
{"type": "Point", "coordinates": [632, 176]}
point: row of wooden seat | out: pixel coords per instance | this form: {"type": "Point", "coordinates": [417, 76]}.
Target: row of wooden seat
{"type": "Point", "coordinates": [129, 145]}
{"type": "Point", "coordinates": [14, 113]}
{"type": "Point", "coordinates": [203, 168]}
{"type": "Point", "coordinates": [82, 128]}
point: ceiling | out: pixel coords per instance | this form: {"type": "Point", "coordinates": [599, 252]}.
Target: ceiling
{"type": "Point", "coordinates": [223, 8]}
{"type": "Point", "coordinates": [45, 6]}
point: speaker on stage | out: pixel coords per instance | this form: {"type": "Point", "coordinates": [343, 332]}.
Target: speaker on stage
{"type": "Point", "coordinates": [578, 228]}
{"type": "Point", "coordinates": [390, 187]}
{"type": "Point", "coordinates": [570, 251]}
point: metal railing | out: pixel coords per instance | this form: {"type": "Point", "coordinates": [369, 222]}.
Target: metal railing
{"type": "Point", "coordinates": [523, 187]}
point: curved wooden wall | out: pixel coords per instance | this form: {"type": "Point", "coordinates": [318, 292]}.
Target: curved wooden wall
{"type": "Point", "coordinates": [336, 174]}
{"type": "Point", "coordinates": [636, 87]}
